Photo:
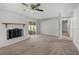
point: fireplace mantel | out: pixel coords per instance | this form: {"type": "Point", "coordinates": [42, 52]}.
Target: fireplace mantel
{"type": "Point", "coordinates": [6, 24]}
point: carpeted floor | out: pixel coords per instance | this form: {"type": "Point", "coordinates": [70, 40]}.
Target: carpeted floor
{"type": "Point", "coordinates": [41, 45]}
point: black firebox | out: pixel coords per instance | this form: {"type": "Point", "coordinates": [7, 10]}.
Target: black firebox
{"type": "Point", "coordinates": [13, 33]}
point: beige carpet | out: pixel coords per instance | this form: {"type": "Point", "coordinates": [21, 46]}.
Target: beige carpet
{"type": "Point", "coordinates": [41, 45]}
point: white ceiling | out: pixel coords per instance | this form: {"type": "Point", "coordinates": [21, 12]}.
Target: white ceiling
{"type": "Point", "coordinates": [50, 9]}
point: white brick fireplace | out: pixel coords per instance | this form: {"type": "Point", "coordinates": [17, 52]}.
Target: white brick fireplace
{"type": "Point", "coordinates": [4, 34]}
{"type": "Point", "coordinates": [13, 20]}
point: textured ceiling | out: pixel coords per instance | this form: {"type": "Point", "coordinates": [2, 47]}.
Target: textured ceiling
{"type": "Point", "coordinates": [50, 9]}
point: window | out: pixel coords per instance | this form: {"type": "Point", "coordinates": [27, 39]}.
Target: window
{"type": "Point", "coordinates": [32, 27]}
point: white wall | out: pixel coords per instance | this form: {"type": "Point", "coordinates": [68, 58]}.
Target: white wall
{"type": "Point", "coordinates": [50, 27]}
{"type": "Point", "coordinates": [76, 27]}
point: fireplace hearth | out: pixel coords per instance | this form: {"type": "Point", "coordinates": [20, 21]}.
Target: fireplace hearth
{"type": "Point", "coordinates": [14, 33]}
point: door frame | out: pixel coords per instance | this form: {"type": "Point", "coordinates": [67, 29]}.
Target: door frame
{"type": "Point", "coordinates": [70, 26]}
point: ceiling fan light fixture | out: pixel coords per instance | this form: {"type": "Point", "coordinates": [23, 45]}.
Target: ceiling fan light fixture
{"type": "Point", "coordinates": [38, 4]}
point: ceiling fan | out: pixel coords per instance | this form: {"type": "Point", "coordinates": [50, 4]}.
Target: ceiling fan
{"type": "Point", "coordinates": [34, 6]}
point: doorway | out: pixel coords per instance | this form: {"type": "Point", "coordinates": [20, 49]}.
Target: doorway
{"type": "Point", "coordinates": [65, 28]}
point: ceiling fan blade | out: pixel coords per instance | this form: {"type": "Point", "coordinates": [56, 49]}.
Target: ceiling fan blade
{"type": "Point", "coordinates": [34, 7]}
{"type": "Point", "coordinates": [39, 10]}
{"type": "Point", "coordinates": [24, 4]}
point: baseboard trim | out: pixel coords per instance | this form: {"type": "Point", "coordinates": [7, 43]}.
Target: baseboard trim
{"type": "Point", "coordinates": [75, 45]}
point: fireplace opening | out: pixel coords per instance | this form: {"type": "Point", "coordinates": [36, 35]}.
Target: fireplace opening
{"type": "Point", "coordinates": [13, 33]}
